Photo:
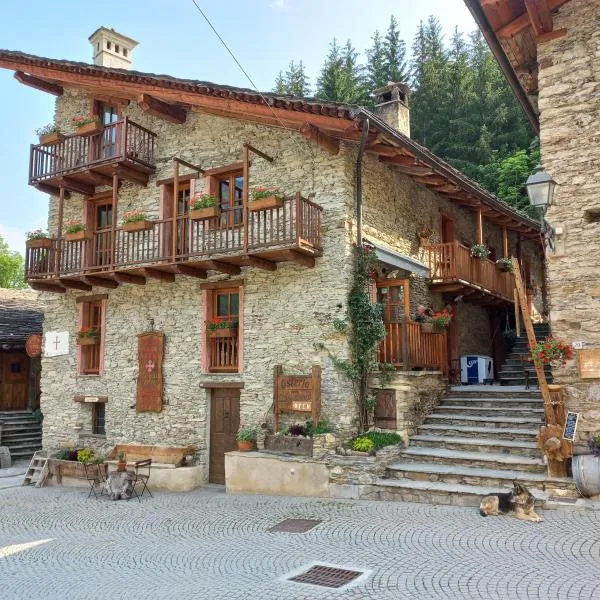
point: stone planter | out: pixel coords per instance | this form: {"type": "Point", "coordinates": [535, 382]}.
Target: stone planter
{"type": "Point", "coordinates": [265, 203]}
{"type": "Point", "coordinates": [586, 474]}
{"type": "Point", "coordinates": [223, 332]}
{"type": "Point", "coordinates": [51, 139]}
{"type": "Point", "coordinates": [39, 243]}
{"type": "Point", "coordinates": [143, 225]}
{"type": "Point", "coordinates": [287, 444]}
{"type": "Point", "coordinates": [87, 341]}
{"type": "Point", "coordinates": [245, 445]}
{"type": "Point", "coordinates": [89, 129]}
{"type": "Point", "coordinates": [199, 214]}
{"type": "Point", "coordinates": [77, 236]}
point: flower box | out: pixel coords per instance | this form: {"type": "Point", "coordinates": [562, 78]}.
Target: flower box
{"type": "Point", "coordinates": [39, 243]}
{"type": "Point", "coordinates": [88, 341]}
{"type": "Point", "coordinates": [288, 444]}
{"type": "Point", "coordinates": [77, 236]}
{"type": "Point", "coordinates": [265, 203]}
{"type": "Point", "coordinates": [223, 332]}
{"type": "Point", "coordinates": [52, 138]}
{"type": "Point", "coordinates": [427, 327]}
{"type": "Point", "coordinates": [88, 129]}
{"type": "Point", "coordinates": [143, 225]}
{"type": "Point", "coordinates": [200, 214]}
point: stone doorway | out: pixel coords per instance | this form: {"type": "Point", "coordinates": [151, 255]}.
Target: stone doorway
{"type": "Point", "coordinates": [224, 425]}
{"type": "Point", "coordinates": [14, 375]}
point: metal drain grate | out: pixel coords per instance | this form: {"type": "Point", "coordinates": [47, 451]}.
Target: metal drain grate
{"type": "Point", "coordinates": [563, 500]}
{"type": "Point", "coordinates": [331, 577]}
{"type": "Point", "coordinates": [295, 526]}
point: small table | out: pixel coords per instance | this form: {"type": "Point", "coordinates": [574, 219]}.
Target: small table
{"type": "Point", "coordinates": [119, 484]}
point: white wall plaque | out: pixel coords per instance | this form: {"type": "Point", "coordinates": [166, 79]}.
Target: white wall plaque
{"type": "Point", "coordinates": [91, 399]}
{"type": "Point", "coordinates": [56, 343]}
{"type": "Point", "coordinates": [578, 345]}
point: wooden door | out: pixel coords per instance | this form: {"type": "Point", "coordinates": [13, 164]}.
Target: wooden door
{"type": "Point", "coordinates": [224, 425]}
{"type": "Point", "coordinates": [14, 373]}
{"type": "Point", "coordinates": [103, 242]}
{"type": "Point", "coordinates": [447, 230]}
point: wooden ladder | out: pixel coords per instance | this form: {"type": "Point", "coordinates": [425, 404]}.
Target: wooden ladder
{"type": "Point", "coordinates": [37, 472]}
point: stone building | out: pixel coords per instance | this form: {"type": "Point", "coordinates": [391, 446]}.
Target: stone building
{"type": "Point", "coordinates": [549, 55]}
{"type": "Point", "coordinates": [280, 275]}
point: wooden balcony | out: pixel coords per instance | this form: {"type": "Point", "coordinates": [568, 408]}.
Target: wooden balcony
{"type": "Point", "coordinates": [225, 244]}
{"type": "Point", "coordinates": [79, 163]}
{"type": "Point", "coordinates": [406, 346]}
{"type": "Point", "coordinates": [453, 270]}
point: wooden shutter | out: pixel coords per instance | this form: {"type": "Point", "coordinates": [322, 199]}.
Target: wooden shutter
{"type": "Point", "coordinates": [385, 409]}
{"type": "Point", "coordinates": [150, 368]}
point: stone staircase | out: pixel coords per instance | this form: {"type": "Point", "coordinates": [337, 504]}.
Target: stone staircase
{"type": "Point", "coordinates": [477, 441]}
{"type": "Point", "coordinates": [517, 361]}
{"type": "Point", "coordinates": [21, 434]}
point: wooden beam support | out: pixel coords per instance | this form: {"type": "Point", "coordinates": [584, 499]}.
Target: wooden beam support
{"type": "Point", "coordinates": [191, 271]}
{"type": "Point", "coordinates": [75, 284]}
{"type": "Point", "coordinates": [158, 274]}
{"type": "Point", "coordinates": [47, 287]}
{"type": "Point", "coordinates": [479, 227]}
{"type": "Point", "coordinates": [539, 16]}
{"type": "Point", "coordinates": [38, 84]}
{"type": "Point", "coordinates": [314, 134]}
{"type": "Point", "coordinates": [122, 277]}
{"type": "Point", "coordinates": [48, 189]}
{"type": "Point", "coordinates": [302, 259]}
{"type": "Point", "coordinates": [132, 175]}
{"type": "Point", "coordinates": [76, 186]}
{"type": "Point", "coordinates": [110, 284]}
{"type": "Point", "coordinates": [523, 21]}
{"type": "Point", "coordinates": [163, 110]}
{"type": "Point", "coordinates": [505, 241]}
{"type": "Point", "coordinates": [383, 149]}
{"type": "Point", "coordinates": [262, 263]}
{"type": "Point", "coordinates": [450, 188]}
{"type": "Point", "coordinates": [223, 267]}
{"type": "Point", "coordinates": [432, 180]}
{"type": "Point", "coordinates": [99, 178]}
{"type": "Point", "coordinates": [258, 152]}
{"type": "Point", "coordinates": [551, 35]}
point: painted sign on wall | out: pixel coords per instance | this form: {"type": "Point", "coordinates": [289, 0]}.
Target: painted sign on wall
{"type": "Point", "coordinates": [296, 393]}
{"type": "Point", "coordinates": [56, 343]}
{"type": "Point", "coordinates": [150, 375]}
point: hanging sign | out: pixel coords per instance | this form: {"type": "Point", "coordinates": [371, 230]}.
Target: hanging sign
{"type": "Point", "coordinates": [150, 375]}
{"type": "Point", "coordinates": [570, 426]}
{"type": "Point", "coordinates": [56, 343]}
{"type": "Point", "coordinates": [297, 393]}
{"type": "Point", "coordinates": [33, 345]}
{"type": "Point", "coordinates": [589, 363]}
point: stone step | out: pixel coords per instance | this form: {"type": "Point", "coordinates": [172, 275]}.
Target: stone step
{"type": "Point", "coordinates": [491, 391]}
{"type": "Point", "coordinates": [499, 421]}
{"type": "Point", "coordinates": [474, 459]}
{"type": "Point", "coordinates": [8, 414]}
{"type": "Point", "coordinates": [13, 437]}
{"type": "Point", "coordinates": [505, 433]}
{"type": "Point", "coordinates": [473, 444]}
{"type": "Point", "coordinates": [481, 477]}
{"type": "Point", "coordinates": [514, 380]}
{"type": "Point", "coordinates": [486, 411]}
{"type": "Point", "coordinates": [493, 402]}
{"type": "Point", "coordinates": [6, 427]}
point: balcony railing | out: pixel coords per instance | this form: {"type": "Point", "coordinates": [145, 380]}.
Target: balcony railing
{"type": "Point", "coordinates": [452, 262]}
{"type": "Point", "coordinates": [296, 226]}
{"type": "Point", "coordinates": [123, 141]}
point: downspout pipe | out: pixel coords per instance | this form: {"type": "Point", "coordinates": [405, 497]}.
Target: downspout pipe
{"type": "Point", "coordinates": [361, 151]}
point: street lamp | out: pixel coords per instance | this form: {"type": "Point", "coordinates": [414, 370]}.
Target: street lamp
{"type": "Point", "coordinates": [540, 189]}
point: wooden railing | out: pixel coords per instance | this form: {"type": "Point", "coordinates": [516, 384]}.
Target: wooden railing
{"type": "Point", "coordinates": [296, 224]}
{"type": "Point", "coordinates": [453, 262]}
{"type": "Point", "coordinates": [407, 346]}
{"type": "Point", "coordinates": [223, 352]}
{"type": "Point", "coordinates": [122, 140]}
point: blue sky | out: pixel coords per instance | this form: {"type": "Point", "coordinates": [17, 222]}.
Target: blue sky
{"type": "Point", "coordinates": [174, 39]}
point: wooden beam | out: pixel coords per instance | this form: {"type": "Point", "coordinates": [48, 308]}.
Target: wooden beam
{"type": "Point", "coordinates": [262, 263]}
{"type": "Point", "coordinates": [539, 16]}
{"type": "Point", "coordinates": [75, 284]}
{"type": "Point", "coordinates": [47, 287]}
{"type": "Point", "coordinates": [522, 21]}
{"type": "Point", "coordinates": [479, 227]}
{"type": "Point", "coordinates": [505, 241]}
{"type": "Point", "coordinates": [158, 108]}
{"type": "Point", "coordinates": [48, 189]}
{"type": "Point", "coordinates": [122, 277]}
{"type": "Point", "coordinates": [383, 149]}
{"type": "Point", "coordinates": [551, 35]}
{"type": "Point", "coordinates": [76, 186]}
{"type": "Point", "coordinates": [313, 133]}
{"type": "Point", "coordinates": [91, 298]}
{"type": "Point", "coordinates": [158, 274]}
{"type": "Point", "coordinates": [223, 267]}
{"type": "Point", "coordinates": [99, 178]}
{"type": "Point", "coordinates": [191, 271]}
{"type": "Point", "coordinates": [448, 189]}
{"type": "Point", "coordinates": [38, 84]}
{"type": "Point", "coordinates": [132, 175]}
{"type": "Point", "coordinates": [403, 159]}
{"type": "Point", "coordinates": [110, 284]}
{"type": "Point", "coordinates": [259, 153]}
{"type": "Point", "coordinates": [434, 180]}
{"type": "Point", "coordinates": [302, 259]}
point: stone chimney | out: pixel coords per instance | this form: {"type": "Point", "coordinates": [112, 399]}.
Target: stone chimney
{"type": "Point", "coordinates": [111, 49]}
{"type": "Point", "coordinates": [391, 104]}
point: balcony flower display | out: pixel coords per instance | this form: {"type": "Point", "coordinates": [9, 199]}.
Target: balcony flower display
{"type": "Point", "coordinates": [75, 231]}
{"type": "Point", "coordinates": [203, 206]}
{"type": "Point", "coordinates": [49, 135]}
{"type": "Point", "coordinates": [87, 336]}
{"type": "Point", "coordinates": [136, 220]}
{"type": "Point", "coordinates": [218, 328]}
{"type": "Point", "coordinates": [551, 351]}
{"type": "Point", "coordinates": [263, 198]}
{"type": "Point", "coordinates": [441, 319]}
{"type": "Point", "coordinates": [480, 251]}
{"type": "Point", "coordinates": [504, 264]}
{"type": "Point", "coordinates": [38, 239]}
{"type": "Point", "coordinates": [87, 124]}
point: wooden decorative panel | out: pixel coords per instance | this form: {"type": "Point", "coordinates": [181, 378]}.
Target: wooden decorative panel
{"type": "Point", "coordinates": [385, 409]}
{"type": "Point", "coordinates": [150, 368]}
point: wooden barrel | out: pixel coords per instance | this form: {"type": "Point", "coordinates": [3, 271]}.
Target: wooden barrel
{"type": "Point", "coordinates": [586, 473]}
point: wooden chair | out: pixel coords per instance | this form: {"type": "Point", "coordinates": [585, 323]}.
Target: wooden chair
{"type": "Point", "coordinates": [141, 478]}
{"type": "Point", "coordinates": [95, 475]}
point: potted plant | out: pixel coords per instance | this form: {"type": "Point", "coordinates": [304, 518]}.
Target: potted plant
{"type": "Point", "coordinates": [50, 135]}
{"type": "Point", "coordinates": [75, 231]}
{"type": "Point", "coordinates": [480, 251]}
{"type": "Point", "coordinates": [38, 239]}
{"type": "Point", "coordinates": [246, 438]}
{"type": "Point", "coordinates": [218, 328]}
{"type": "Point", "coordinates": [423, 316]}
{"type": "Point", "coordinates": [264, 198]}
{"type": "Point", "coordinates": [504, 264]}
{"type": "Point", "coordinates": [441, 319]}
{"type": "Point", "coordinates": [87, 124]}
{"type": "Point", "coordinates": [204, 206]}
{"type": "Point", "coordinates": [550, 351]}
{"type": "Point", "coordinates": [87, 336]}
{"type": "Point", "coordinates": [121, 461]}
{"type": "Point", "coordinates": [136, 220]}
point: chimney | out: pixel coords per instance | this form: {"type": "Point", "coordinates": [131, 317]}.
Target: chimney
{"type": "Point", "coordinates": [111, 49]}
{"type": "Point", "coordinates": [391, 104]}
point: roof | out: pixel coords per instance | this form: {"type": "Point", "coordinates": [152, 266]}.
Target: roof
{"type": "Point", "coordinates": [20, 315]}
{"type": "Point", "coordinates": [513, 29]}
{"type": "Point", "coordinates": [334, 120]}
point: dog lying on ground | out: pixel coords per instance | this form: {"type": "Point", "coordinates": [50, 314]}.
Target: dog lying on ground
{"type": "Point", "coordinates": [519, 499]}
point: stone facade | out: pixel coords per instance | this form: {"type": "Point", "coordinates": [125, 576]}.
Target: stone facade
{"type": "Point", "coordinates": [569, 80]}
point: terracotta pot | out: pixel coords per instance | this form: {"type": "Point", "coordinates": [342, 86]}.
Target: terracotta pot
{"type": "Point", "coordinates": [199, 214]}
{"type": "Point", "coordinates": [137, 226]}
{"type": "Point", "coordinates": [77, 236]}
{"type": "Point", "coordinates": [121, 466]}
{"type": "Point", "coordinates": [265, 203]}
{"type": "Point", "coordinates": [51, 139]}
{"type": "Point", "coordinates": [89, 129]}
{"type": "Point", "coordinates": [87, 341]}
{"type": "Point", "coordinates": [245, 446]}
{"type": "Point", "coordinates": [39, 243]}
{"type": "Point", "coordinates": [224, 332]}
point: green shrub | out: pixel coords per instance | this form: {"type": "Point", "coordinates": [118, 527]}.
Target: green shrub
{"type": "Point", "coordinates": [363, 444]}
{"type": "Point", "coordinates": [381, 439]}
{"type": "Point", "coordinates": [85, 456]}
{"type": "Point", "coordinates": [313, 429]}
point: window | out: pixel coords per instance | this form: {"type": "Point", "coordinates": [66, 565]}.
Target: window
{"type": "Point", "coordinates": [124, 51]}
{"type": "Point", "coordinates": [228, 187]}
{"type": "Point", "coordinates": [98, 412]}
{"type": "Point", "coordinates": [184, 193]}
{"type": "Point", "coordinates": [108, 45]}
{"type": "Point", "coordinates": [92, 314]}
{"type": "Point", "coordinates": [223, 343]}
{"type": "Point", "coordinates": [117, 48]}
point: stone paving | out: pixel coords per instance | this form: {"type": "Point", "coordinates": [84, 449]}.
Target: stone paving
{"type": "Point", "coordinates": [57, 544]}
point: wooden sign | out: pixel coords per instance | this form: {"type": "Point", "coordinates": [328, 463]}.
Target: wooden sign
{"type": "Point", "coordinates": [570, 426]}
{"type": "Point", "coordinates": [296, 393]}
{"type": "Point", "coordinates": [33, 345]}
{"type": "Point", "coordinates": [150, 375]}
{"type": "Point", "coordinates": [589, 363]}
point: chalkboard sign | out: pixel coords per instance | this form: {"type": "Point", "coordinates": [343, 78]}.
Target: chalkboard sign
{"type": "Point", "coordinates": [570, 426]}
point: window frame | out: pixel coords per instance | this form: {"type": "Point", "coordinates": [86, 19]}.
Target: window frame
{"type": "Point", "coordinates": [96, 420]}
{"type": "Point", "coordinates": [228, 173]}
{"type": "Point", "coordinates": [83, 368]}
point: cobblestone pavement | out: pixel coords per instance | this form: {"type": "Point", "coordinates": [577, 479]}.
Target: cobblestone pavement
{"type": "Point", "coordinates": [57, 544]}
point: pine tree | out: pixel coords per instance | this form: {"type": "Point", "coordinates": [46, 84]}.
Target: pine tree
{"type": "Point", "coordinates": [396, 66]}
{"type": "Point", "coordinates": [280, 84]}
{"type": "Point", "coordinates": [377, 73]}
{"type": "Point", "coordinates": [294, 82]}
